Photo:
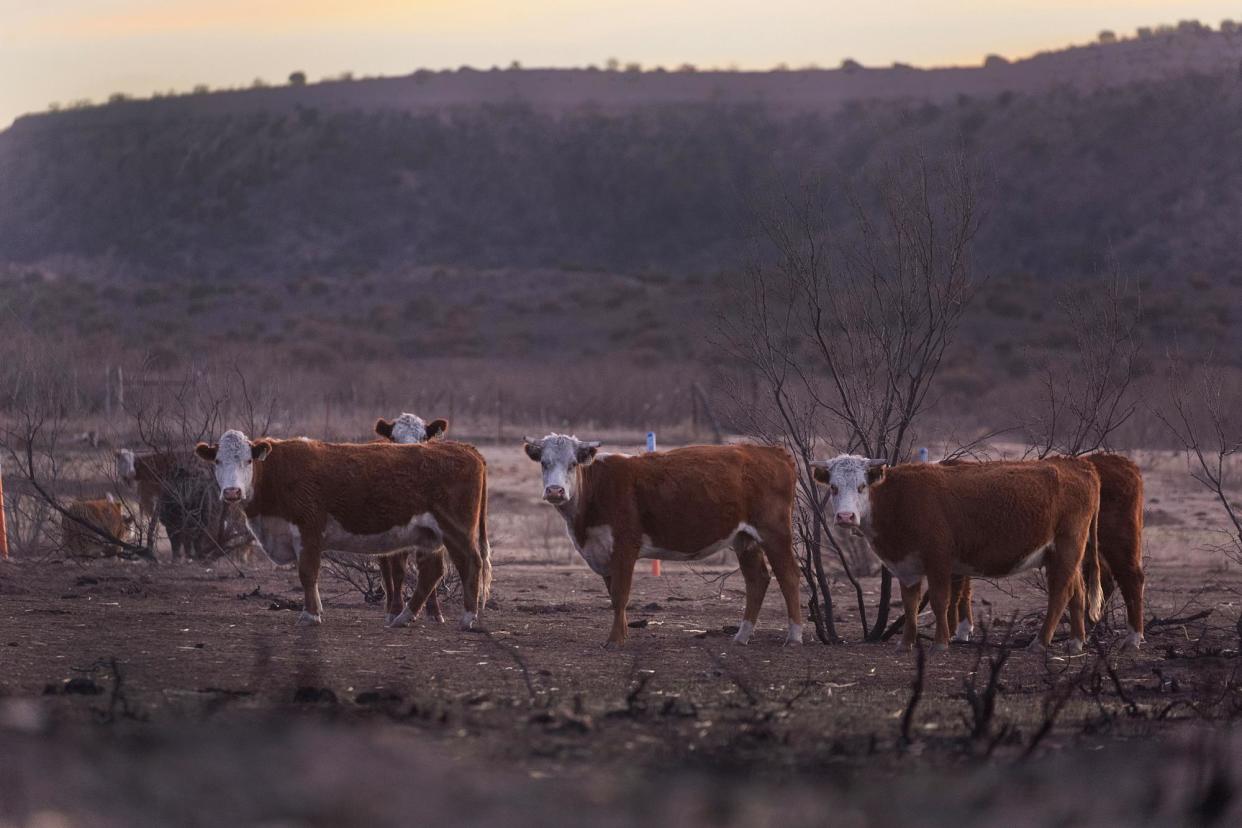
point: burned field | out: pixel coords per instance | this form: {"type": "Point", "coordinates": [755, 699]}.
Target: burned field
{"type": "Point", "coordinates": [140, 694]}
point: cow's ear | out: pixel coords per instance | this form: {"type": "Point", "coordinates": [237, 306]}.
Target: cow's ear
{"type": "Point", "coordinates": [384, 428]}
{"type": "Point", "coordinates": [109, 497]}
{"type": "Point", "coordinates": [875, 471]}
{"type": "Point", "coordinates": [206, 453]}
{"type": "Point", "coordinates": [436, 428]}
{"type": "Point", "coordinates": [821, 474]}
{"type": "Point", "coordinates": [259, 449]}
{"type": "Point", "coordinates": [533, 450]}
{"type": "Point", "coordinates": [586, 452]}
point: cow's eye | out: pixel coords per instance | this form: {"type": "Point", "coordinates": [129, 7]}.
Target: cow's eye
{"type": "Point", "coordinates": [833, 489]}
{"type": "Point", "coordinates": [861, 486]}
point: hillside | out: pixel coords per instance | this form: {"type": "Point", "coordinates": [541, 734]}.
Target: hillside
{"type": "Point", "coordinates": [342, 223]}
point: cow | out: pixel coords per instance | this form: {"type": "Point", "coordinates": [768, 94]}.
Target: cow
{"type": "Point", "coordinates": [175, 491]}
{"type": "Point", "coordinates": [407, 428]}
{"type": "Point", "coordinates": [370, 499]}
{"type": "Point", "coordinates": [104, 514]}
{"type": "Point", "coordinates": [1121, 547]}
{"type": "Point", "coordinates": [680, 505]}
{"type": "Point", "coordinates": [987, 520]}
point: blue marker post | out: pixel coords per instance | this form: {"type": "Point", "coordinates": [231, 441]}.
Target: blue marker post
{"type": "Point", "coordinates": [651, 446]}
{"type": "Point", "coordinates": [922, 455]}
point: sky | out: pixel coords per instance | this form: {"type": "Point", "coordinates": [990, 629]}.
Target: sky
{"type": "Point", "coordinates": [66, 50]}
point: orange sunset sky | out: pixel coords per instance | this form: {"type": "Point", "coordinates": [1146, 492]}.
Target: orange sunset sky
{"type": "Point", "coordinates": [65, 50]}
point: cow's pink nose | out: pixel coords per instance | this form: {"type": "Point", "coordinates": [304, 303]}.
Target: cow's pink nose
{"type": "Point", "coordinates": [231, 494]}
{"type": "Point", "coordinates": [554, 494]}
{"type": "Point", "coordinates": [846, 519]}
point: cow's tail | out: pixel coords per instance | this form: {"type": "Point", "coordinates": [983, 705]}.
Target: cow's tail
{"type": "Point", "coordinates": [485, 549]}
{"type": "Point", "coordinates": [1091, 572]}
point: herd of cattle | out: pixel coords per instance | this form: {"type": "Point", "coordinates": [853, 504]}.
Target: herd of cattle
{"type": "Point", "coordinates": [1080, 519]}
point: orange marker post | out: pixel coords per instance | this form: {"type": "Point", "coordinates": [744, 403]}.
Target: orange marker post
{"type": "Point", "coordinates": [651, 446]}
{"type": "Point", "coordinates": [4, 532]}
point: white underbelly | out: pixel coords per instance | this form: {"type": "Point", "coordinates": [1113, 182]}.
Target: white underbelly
{"type": "Point", "coordinates": [1033, 560]}
{"type": "Point", "coordinates": [597, 549]}
{"type": "Point", "coordinates": [908, 571]}
{"type": "Point", "coordinates": [282, 540]}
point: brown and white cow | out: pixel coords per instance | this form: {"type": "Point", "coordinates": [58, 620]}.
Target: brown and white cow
{"type": "Point", "coordinates": [1121, 547]}
{"type": "Point", "coordinates": [106, 515]}
{"type": "Point", "coordinates": [988, 520]}
{"type": "Point", "coordinates": [406, 429]}
{"type": "Point", "coordinates": [368, 499]}
{"type": "Point", "coordinates": [679, 505]}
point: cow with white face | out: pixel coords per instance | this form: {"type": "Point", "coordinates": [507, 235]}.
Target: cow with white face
{"type": "Point", "coordinates": [372, 499]}
{"type": "Point", "coordinates": [989, 520]}
{"type": "Point", "coordinates": [679, 505]}
{"type": "Point", "coordinates": [406, 429]}
{"type": "Point", "coordinates": [410, 428]}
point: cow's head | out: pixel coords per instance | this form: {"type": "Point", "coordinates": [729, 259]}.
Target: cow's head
{"type": "Point", "coordinates": [560, 456]}
{"type": "Point", "coordinates": [125, 469]}
{"type": "Point", "coordinates": [847, 478]}
{"type": "Point", "coordinates": [234, 458]}
{"type": "Point", "coordinates": [410, 428]}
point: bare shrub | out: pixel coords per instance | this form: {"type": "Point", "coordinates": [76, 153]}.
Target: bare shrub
{"type": "Point", "coordinates": [1202, 415]}
{"type": "Point", "coordinates": [1087, 390]}
{"type": "Point", "coordinates": [839, 329]}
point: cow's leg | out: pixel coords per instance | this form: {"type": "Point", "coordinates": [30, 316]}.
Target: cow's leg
{"type": "Point", "coordinates": [469, 563]}
{"type": "Point", "coordinates": [308, 574]}
{"type": "Point", "coordinates": [778, 546]}
{"type": "Point", "coordinates": [1130, 581]}
{"type": "Point", "coordinates": [434, 612]}
{"type": "Point", "coordinates": [960, 618]}
{"type": "Point", "coordinates": [621, 576]}
{"type": "Point", "coordinates": [755, 573]}
{"type": "Point", "coordinates": [939, 591]}
{"type": "Point", "coordinates": [910, 598]}
{"type": "Point", "coordinates": [1060, 567]}
{"type": "Point", "coordinates": [430, 571]}
{"type": "Point", "coordinates": [392, 588]}
{"type": "Point", "coordinates": [1077, 613]}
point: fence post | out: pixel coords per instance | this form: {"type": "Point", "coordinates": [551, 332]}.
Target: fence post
{"type": "Point", "coordinates": [651, 446]}
{"type": "Point", "coordinates": [4, 533]}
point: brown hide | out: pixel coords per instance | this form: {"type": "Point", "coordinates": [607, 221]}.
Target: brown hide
{"type": "Point", "coordinates": [368, 488]}
{"type": "Point", "coordinates": [1120, 538]}
{"type": "Point", "coordinates": [987, 519]}
{"type": "Point", "coordinates": [685, 501]}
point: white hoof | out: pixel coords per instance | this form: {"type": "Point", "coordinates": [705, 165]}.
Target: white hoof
{"type": "Point", "coordinates": [794, 636]}
{"type": "Point", "coordinates": [963, 631]}
{"type": "Point", "coordinates": [903, 646]}
{"type": "Point", "coordinates": [436, 617]}
{"type": "Point", "coordinates": [744, 631]}
{"type": "Point", "coordinates": [388, 619]}
{"type": "Point", "coordinates": [1132, 641]}
{"type": "Point", "coordinates": [1074, 646]}
{"type": "Point", "coordinates": [403, 619]}
{"type": "Point", "coordinates": [1037, 646]}
{"type": "Point", "coordinates": [309, 619]}
{"type": "Point", "coordinates": [467, 621]}
{"type": "Point", "coordinates": [939, 648]}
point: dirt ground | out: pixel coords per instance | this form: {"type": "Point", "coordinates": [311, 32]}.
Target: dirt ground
{"type": "Point", "coordinates": [133, 694]}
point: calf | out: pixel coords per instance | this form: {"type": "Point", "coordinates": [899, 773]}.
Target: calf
{"type": "Point", "coordinates": [369, 499]}
{"type": "Point", "coordinates": [407, 428]}
{"type": "Point", "coordinates": [681, 505]}
{"type": "Point", "coordinates": [106, 515]}
{"type": "Point", "coordinates": [1121, 547]}
{"type": "Point", "coordinates": [989, 520]}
